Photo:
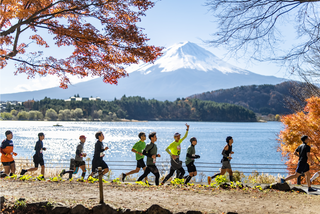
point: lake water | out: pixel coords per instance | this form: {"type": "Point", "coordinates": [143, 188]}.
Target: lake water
{"type": "Point", "coordinates": [254, 143]}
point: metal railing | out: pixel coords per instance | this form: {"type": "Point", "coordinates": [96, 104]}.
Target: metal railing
{"type": "Point", "coordinates": [204, 167]}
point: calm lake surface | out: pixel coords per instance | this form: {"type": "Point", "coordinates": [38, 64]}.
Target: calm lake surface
{"type": "Point", "coordinates": [254, 143]}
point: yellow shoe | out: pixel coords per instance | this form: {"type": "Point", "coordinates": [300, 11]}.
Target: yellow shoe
{"type": "Point", "coordinates": [209, 180]}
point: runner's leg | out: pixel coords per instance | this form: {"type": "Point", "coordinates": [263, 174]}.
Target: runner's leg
{"type": "Point", "coordinates": [7, 169]}
{"type": "Point", "coordinates": [13, 167]}
{"type": "Point", "coordinates": [230, 174]}
{"type": "Point", "coordinates": [42, 169]}
{"type": "Point", "coordinates": [308, 178]}
{"type": "Point", "coordinates": [145, 174]}
{"type": "Point", "coordinates": [83, 168]}
{"type": "Point", "coordinates": [182, 172]}
{"type": "Point", "coordinates": [168, 176]}
{"type": "Point", "coordinates": [290, 177]}
{"type": "Point", "coordinates": [124, 175]}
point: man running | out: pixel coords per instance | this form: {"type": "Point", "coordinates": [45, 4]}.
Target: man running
{"type": "Point", "coordinates": [151, 152]}
{"type": "Point", "coordinates": [191, 155]}
{"type": "Point", "coordinates": [174, 150]}
{"type": "Point", "coordinates": [37, 157]}
{"type": "Point", "coordinates": [97, 160]}
{"type": "Point", "coordinates": [78, 161]}
{"type": "Point", "coordinates": [7, 155]}
{"type": "Point", "coordinates": [226, 166]}
{"type": "Point", "coordinates": [303, 152]}
{"type": "Point", "coordinates": [138, 148]}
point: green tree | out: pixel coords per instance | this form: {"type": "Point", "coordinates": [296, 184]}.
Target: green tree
{"type": "Point", "coordinates": [6, 116]}
{"type": "Point", "coordinates": [35, 115]}
{"type": "Point", "coordinates": [77, 113]}
{"type": "Point", "coordinates": [51, 114]}
{"type": "Point", "coordinates": [14, 112]}
{"type": "Point", "coordinates": [23, 115]}
{"type": "Point", "coordinates": [64, 114]}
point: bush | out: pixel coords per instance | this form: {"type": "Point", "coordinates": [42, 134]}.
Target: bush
{"type": "Point", "coordinates": [35, 115]}
{"type": "Point", "coordinates": [6, 116]}
{"type": "Point", "coordinates": [23, 115]}
{"type": "Point", "coordinates": [51, 114]}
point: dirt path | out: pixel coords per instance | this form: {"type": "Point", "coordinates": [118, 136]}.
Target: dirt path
{"type": "Point", "coordinates": [136, 197]}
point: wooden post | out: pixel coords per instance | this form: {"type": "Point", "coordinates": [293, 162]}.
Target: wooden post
{"type": "Point", "coordinates": [100, 185]}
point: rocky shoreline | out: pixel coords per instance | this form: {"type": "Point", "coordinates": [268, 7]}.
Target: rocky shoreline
{"type": "Point", "coordinates": [59, 208]}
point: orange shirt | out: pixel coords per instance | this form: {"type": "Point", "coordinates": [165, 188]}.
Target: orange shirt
{"type": "Point", "coordinates": [7, 151]}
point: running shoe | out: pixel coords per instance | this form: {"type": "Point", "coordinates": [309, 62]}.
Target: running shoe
{"type": "Point", "coordinates": [282, 180]}
{"type": "Point", "coordinates": [96, 175]}
{"type": "Point", "coordinates": [209, 180]}
{"type": "Point", "coordinates": [23, 171]}
{"type": "Point", "coordinates": [310, 189]}
{"type": "Point", "coordinates": [123, 177]}
{"type": "Point", "coordinates": [63, 172]}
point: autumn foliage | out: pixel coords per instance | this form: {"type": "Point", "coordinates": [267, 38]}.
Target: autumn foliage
{"type": "Point", "coordinates": [102, 34]}
{"type": "Point", "coordinates": [307, 123]}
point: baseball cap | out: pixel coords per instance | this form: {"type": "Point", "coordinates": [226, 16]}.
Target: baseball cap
{"type": "Point", "coordinates": [82, 136]}
{"type": "Point", "coordinates": [177, 134]}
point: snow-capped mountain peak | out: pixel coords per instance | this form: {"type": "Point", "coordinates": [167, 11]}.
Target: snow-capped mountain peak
{"type": "Point", "coordinates": [187, 55]}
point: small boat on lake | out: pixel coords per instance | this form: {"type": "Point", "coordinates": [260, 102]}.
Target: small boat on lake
{"type": "Point", "coordinates": [57, 124]}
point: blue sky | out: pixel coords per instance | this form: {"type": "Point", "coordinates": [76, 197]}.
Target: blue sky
{"type": "Point", "coordinates": [168, 22]}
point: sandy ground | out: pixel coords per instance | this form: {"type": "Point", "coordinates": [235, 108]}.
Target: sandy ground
{"type": "Point", "coordinates": [176, 199]}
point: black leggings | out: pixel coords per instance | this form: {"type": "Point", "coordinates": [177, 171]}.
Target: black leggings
{"type": "Point", "coordinates": [154, 171]}
{"type": "Point", "coordinates": [180, 174]}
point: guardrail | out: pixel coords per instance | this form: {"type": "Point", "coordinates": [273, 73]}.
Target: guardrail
{"type": "Point", "coordinates": [204, 167]}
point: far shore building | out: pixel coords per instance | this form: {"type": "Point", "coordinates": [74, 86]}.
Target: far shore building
{"type": "Point", "coordinates": [83, 98]}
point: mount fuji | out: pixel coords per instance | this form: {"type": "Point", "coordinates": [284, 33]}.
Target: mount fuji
{"type": "Point", "coordinates": [184, 69]}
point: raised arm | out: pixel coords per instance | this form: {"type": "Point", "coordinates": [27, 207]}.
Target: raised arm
{"type": "Point", "coordinates": [186, 134]}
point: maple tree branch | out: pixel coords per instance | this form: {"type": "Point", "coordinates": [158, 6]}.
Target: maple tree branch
{"type": "Point", "coordinates": [40, 65]}
{"type": "Point", "coordinates": [30, 19]}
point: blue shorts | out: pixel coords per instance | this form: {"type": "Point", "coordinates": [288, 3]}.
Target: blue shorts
{"type": "Point", "coordinates": [302, 168]}
{"type": "Point", "coordinates": [96, 164]}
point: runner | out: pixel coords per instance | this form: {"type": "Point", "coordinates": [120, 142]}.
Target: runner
{"type": "Point", "coordinates": [97, 160]}
{"type": "Point", "coordinates": [78, 161]}
{"type": "Point", "coordinates": [226, 166]}
{"type": "Point", "coordinates": [191, 155]}
{"type": "Point", "coordinates": [37, 157]}
{"type": "Point", "coordinates": [138, 148]}
{"type": "Point", "coordinates": [151, 153]}
{"type": "Point", "coordinates": [174, 150]}
{"type": "Point", "coordinates": [7, 155]}
{"type": "Point", "coordinates": [303, 152]}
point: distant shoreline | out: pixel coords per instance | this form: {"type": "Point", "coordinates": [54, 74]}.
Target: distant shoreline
{"type": "Point", "coordinates": [140, 121]}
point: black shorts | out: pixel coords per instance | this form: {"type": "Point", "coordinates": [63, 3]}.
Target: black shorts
{"type": "Point", "coordinates": [191, 167]}
{"type": "Point", "coordinates": [96, 164]}
{"type": "Point", "coordinates": [140, 163]}
{"type": "Point", "coordinates": [302, 168]}
{"type": "Point", "coordinates": [37, 161]}
{"type": "Point", "coordinates": [7, 163]}
{"type": "Point", "coordinates": [79, 163]}
{"type": "Point", "coordinates": [153, 169]}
